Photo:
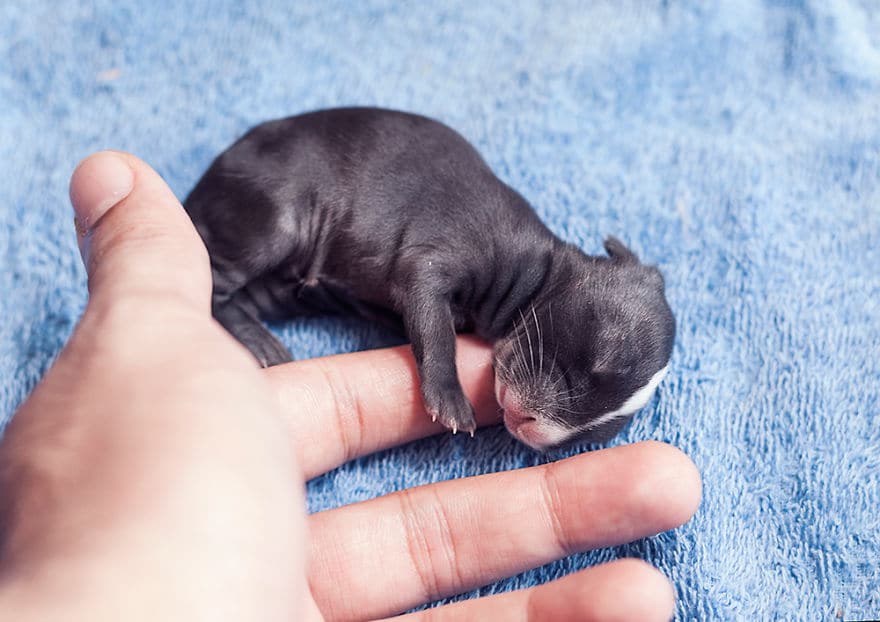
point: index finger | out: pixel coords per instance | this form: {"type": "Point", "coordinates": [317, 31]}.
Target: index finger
{"type": "Point", "coordinates": [349, 405]}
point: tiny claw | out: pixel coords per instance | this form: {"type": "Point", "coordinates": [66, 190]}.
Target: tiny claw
{"type": "Point", "coordinates": [454, 428]}
{"type": "Point", "coordinates": [472, 433]}
{"type": "Point", "coordinates": [434, 418]}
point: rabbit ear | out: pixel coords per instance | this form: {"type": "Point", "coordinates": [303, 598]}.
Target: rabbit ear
{"type": "Point", "coordinates": [618, 251]}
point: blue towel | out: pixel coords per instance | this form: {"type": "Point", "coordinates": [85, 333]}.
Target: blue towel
{"type": "Point", "coordinates": [735, 144]}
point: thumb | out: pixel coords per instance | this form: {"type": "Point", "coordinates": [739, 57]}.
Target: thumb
{"type": "Point", "coordinates": [134, 236]}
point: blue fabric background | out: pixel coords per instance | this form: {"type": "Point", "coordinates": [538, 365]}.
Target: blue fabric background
{"type": "Point", "coordinates": [735, 144]}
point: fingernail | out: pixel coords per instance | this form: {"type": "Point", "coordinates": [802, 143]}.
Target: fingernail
{"type": "Point", "coordinates": [98, 183]}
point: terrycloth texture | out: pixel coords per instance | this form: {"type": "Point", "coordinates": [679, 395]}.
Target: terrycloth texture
{"type": "Point", "coordinates": [735, 144]}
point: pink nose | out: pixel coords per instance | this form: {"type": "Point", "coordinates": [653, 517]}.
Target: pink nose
{"type": "Point", "coordinates": [516, 418]}
{"type": "Point", "coordinates": [520, 421]}
{"type": "Point", "coordinates": [514, 414]}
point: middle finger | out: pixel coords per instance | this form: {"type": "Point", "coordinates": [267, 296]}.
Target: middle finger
{"type": "Point", "coordinates": [418, 545]}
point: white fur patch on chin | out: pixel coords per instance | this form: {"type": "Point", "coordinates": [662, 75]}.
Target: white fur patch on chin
{"type": "Point", "coordinates": [546, 434]}
{"type": "Point", "coordinates": [635, 402]}
{"type": "Point", "coordinates": [543, 434]}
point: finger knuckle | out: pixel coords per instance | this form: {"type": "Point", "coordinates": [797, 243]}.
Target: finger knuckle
{"type": "Point", "coordinates": [432, 546]}
{"type": "Point", "coordinates": [348, 411]}
{"type": "Point", "coordinates": [552, 506]}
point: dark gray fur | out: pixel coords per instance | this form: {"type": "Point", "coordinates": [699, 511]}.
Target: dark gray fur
{"type": "Point", "coordinates": [396, 217]}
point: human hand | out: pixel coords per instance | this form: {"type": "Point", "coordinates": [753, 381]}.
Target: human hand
{"type": "Point", "coordinates": [157, 473]}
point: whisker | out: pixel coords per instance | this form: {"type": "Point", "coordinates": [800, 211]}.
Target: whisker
{"type": "Point", "coordinates": [529, 337]}
{"type": "Point", "coordinates": [519, 357]}
{"type": "Point", "coordinates": [556, 350]}
{"type": "Point", "coordinates": [540, 343]}
{"type": "Point", "coordinates": [505, 370]}
{"type": "Point", "coordinates": [567, 393]}
{"type": "Point", "coordinates": [562, 373]}
{"type": "Point", "coordinates": [566, 399]}
{"type": "Point", "coordinates": [561, 376]}
{"type": "Point", "coordinates": [573, 397]}
{"type": "Point", "coordinates": [502, 368]}
{"type": "Point", "coordinates": [568, 410]}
